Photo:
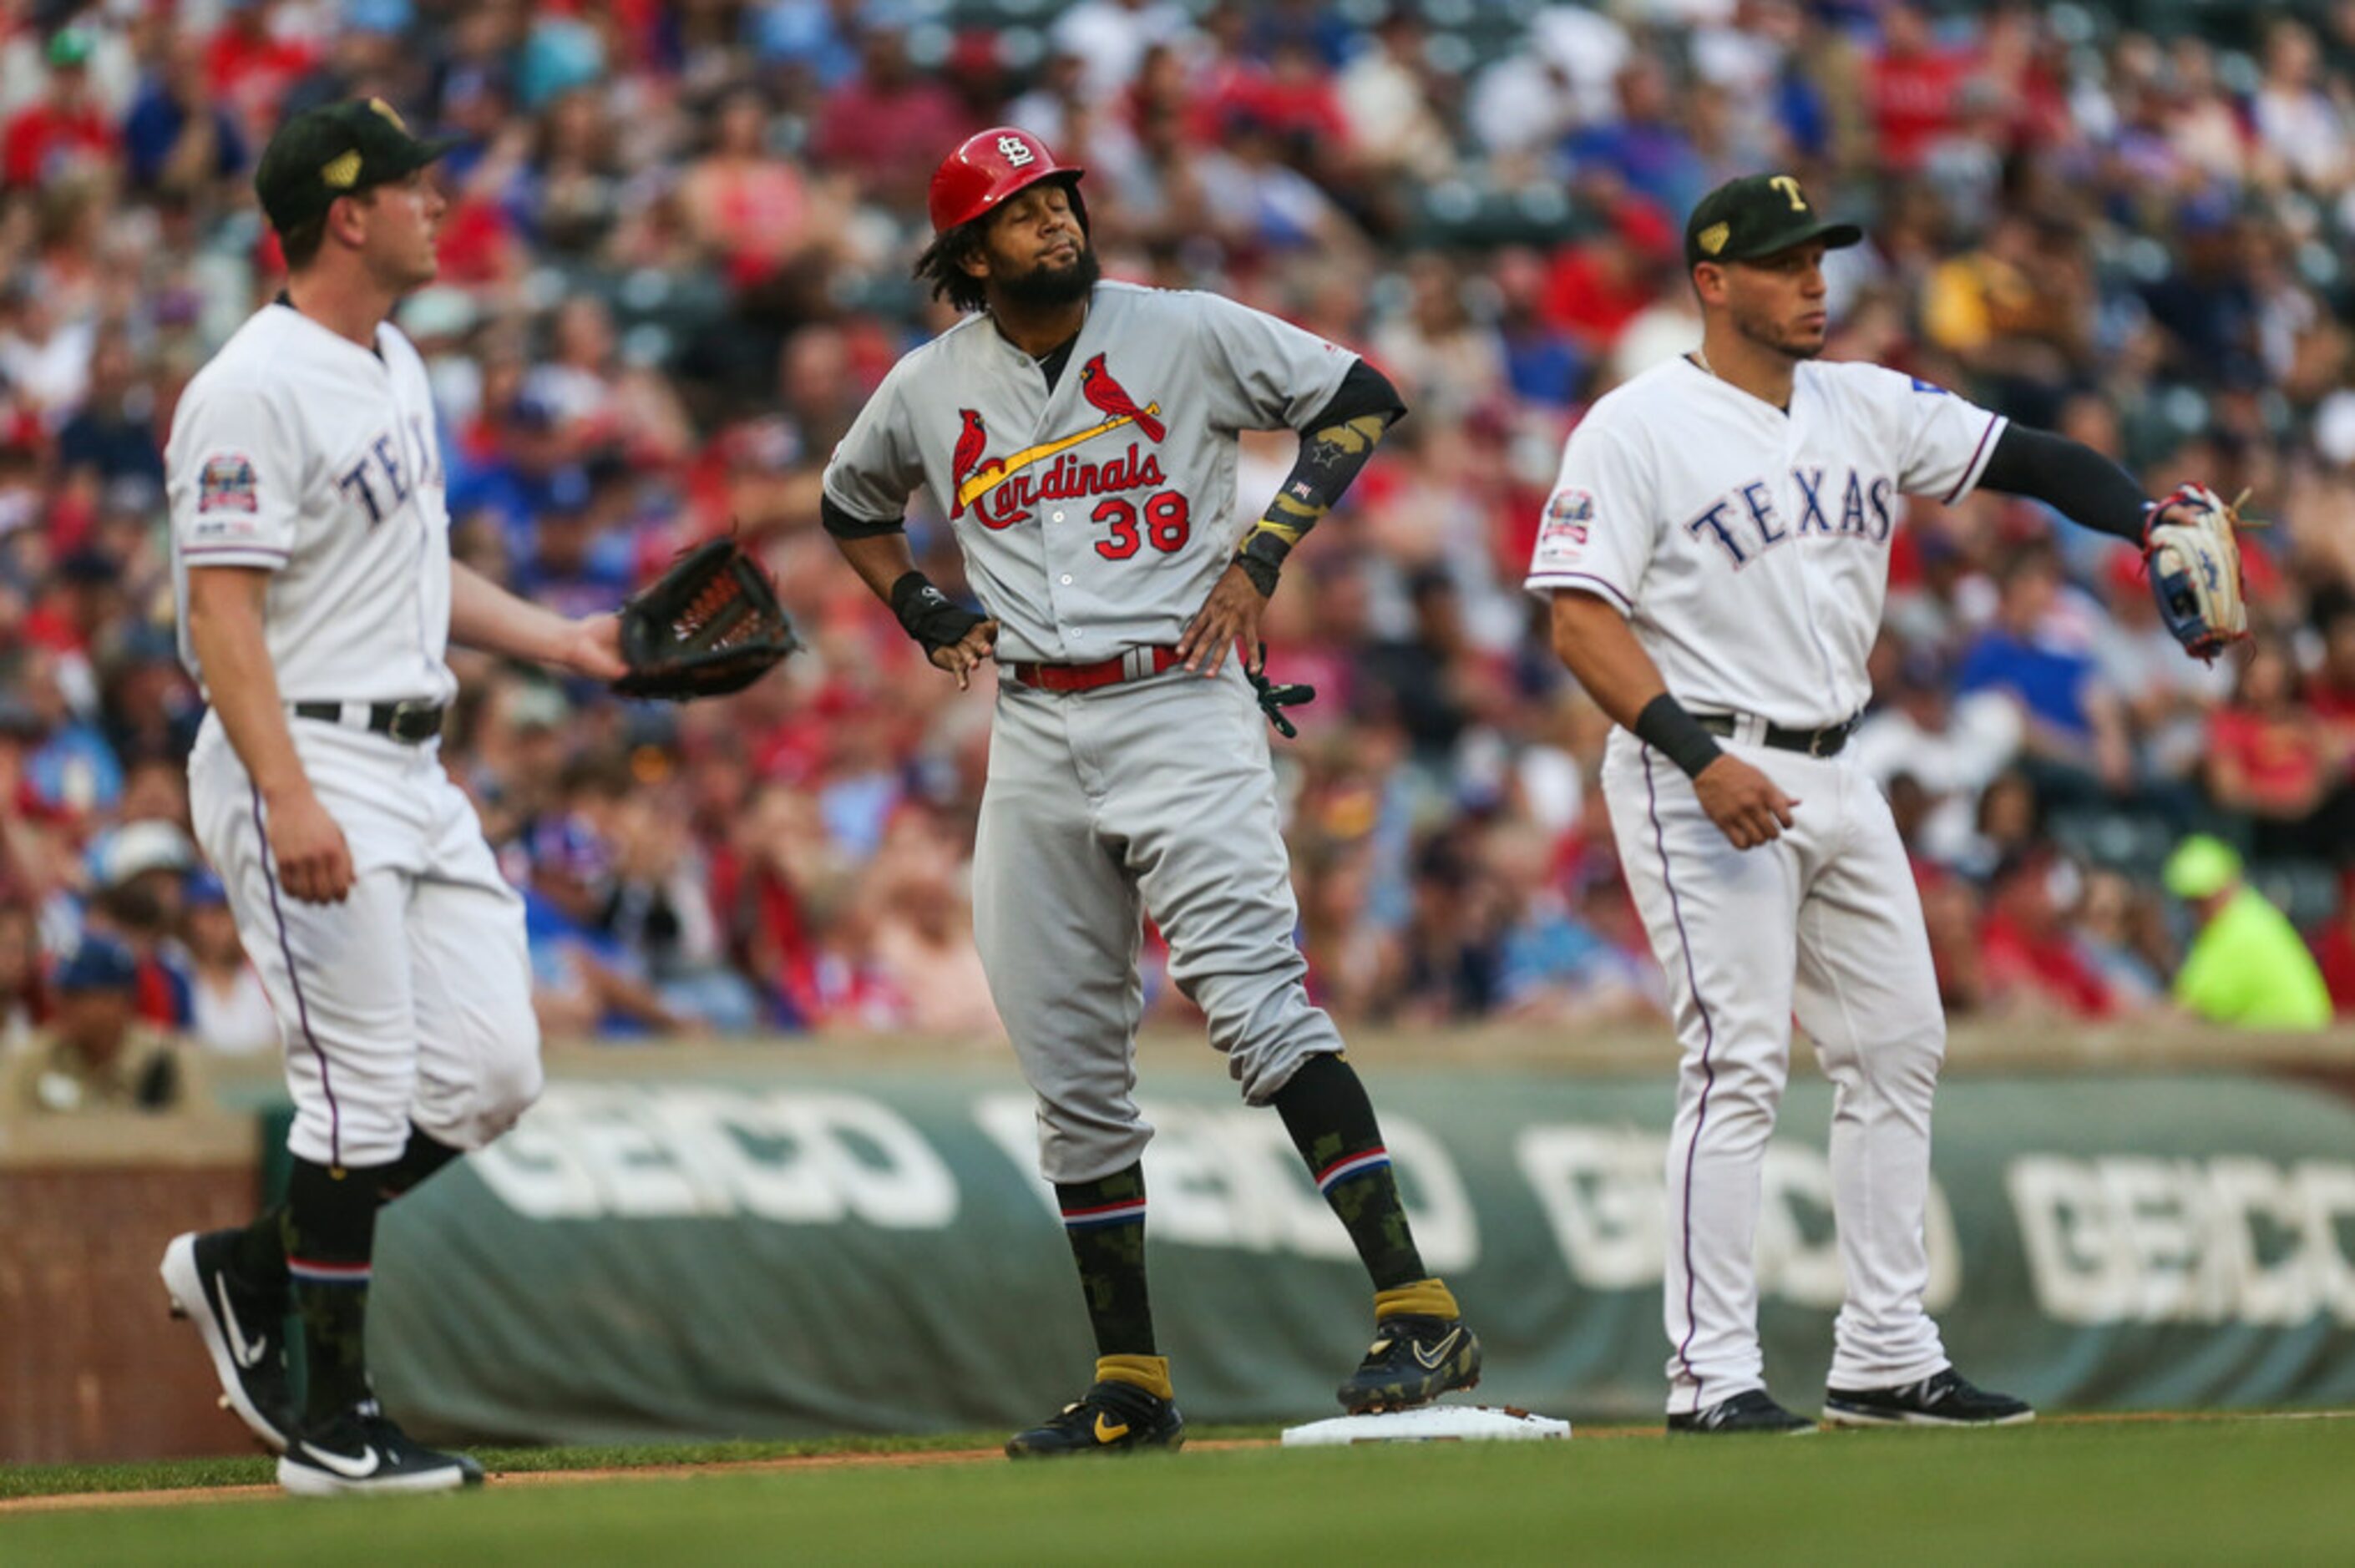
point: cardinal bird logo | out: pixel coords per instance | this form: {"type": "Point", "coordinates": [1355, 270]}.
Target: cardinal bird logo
{"type": "Point", "coordinates": [1099, 388]}
{"type": "Point", "coordinates": [971, 442]}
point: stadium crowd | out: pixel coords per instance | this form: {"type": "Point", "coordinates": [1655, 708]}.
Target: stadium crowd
{"type": "Point", "coordinates": [677, 263]}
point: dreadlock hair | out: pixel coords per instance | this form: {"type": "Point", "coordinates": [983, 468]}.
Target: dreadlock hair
{"type": "Point", "coordinates": [942, 266]}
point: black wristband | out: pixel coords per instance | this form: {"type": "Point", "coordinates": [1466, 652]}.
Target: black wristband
{"type": "Point", "coordinates": [1261, 572]}
{"type": "Point", "coordinates": [1676, 735]}
{"type": "Point", "coordinates": [927, 614]}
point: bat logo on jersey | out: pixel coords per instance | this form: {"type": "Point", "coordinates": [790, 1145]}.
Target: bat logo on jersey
{"type": "Point", "coordinates": [1001, 491]}
{"type": "Point", "coordinates": [226, 484]}
{"type": "Point", "coordinates": [1099, 390]}
{"type": "Point", "coordinates": [1745, 523]}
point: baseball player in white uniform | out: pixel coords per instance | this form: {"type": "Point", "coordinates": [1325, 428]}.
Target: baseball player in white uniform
{"type": "Point", "coordinates": [310, 550]}
{"type": "Point", "coordinates": [1079, 437]}
{"type": "Point", "coordinates": [1716, 551]}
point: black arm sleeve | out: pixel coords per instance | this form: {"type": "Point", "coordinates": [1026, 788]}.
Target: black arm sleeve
{"type": "Point", "coordinates": [1364, 390]}
{"type": "Point", "coordinates": [843, 525]}
{"type": "Point", "coordinates": [1334, 446]}
{"type": "Point", "coordinates": [2074, 479]}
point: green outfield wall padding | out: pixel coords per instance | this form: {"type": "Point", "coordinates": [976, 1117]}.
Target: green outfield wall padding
{"type": "Point", "coordinates": [815, 1252]}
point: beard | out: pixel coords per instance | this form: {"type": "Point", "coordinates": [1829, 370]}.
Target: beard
{"type": "Point", "coordinates": [1046, 287]}
{"type": "Point", "coordinates": [1789, 342]}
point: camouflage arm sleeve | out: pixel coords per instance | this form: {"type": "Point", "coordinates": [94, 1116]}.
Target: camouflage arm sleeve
{"type": "Point", "coordinates": [1334, 447]}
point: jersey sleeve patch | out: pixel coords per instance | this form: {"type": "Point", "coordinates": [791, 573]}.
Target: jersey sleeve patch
{"type": "Point", "coordinates": [1931, 388]}
{"type": "Point", "coordinates": [228, 497]}
{"type": "Point", "coordinates": [1561, 532]}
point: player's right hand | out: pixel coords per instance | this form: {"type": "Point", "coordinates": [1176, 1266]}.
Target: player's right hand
{"type": "Point", "coordinates": [1743, 802]}
{"type": "Point", "coordinates": [964, 655]}
{"type": "Point", "coordinates": [308, 852]}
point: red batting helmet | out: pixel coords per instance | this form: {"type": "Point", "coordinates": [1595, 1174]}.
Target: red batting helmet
{"type": "Point", "coordinates": [991, 166]}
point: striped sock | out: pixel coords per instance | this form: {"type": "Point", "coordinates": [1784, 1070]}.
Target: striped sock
{"type": "Point", "coordinates": [1332, 1124]}
{"type": "Point", "coordinates": [1104, 1222]}
{"type": "Point", "coordinates": [330, 1238]}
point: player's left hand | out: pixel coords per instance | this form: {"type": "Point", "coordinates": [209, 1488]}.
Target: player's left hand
{"type": "Point", "coordinates": [1230, 615]}
{"type": "Point", "coordinates": [594, 648]}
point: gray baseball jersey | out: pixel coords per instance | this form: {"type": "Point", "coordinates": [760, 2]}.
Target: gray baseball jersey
{"type": "Point", "coordinates": [1095, 516]}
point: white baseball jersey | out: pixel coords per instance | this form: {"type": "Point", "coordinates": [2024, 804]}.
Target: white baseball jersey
{"type": "Point", "coordinates": [1094, 516]}
{"type": "Point", "coordinates": [1748, 545]}
{"type": "Point", "coordinates": [298, 451]}
{"type": "Point", "coordinates": [302, 453]}
{"type": "Point", "coordinates": [1749, 549]}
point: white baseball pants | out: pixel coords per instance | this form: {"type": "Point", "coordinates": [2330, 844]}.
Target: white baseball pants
{"type": "Point", "coordinates": [411, 999]}
{"type": "Point", "coordinates": [1824, 923]}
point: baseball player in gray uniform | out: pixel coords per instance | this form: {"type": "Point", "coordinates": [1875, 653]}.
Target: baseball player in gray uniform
{"type": "Point", "coordinates": [310, 547]}
{"type": "Point", "coordinates": [1716, 551]}
{"type": "Point", "coordinates": [1079, 438]}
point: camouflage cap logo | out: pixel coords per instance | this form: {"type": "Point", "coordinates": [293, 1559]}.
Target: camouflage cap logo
{"type": "Point", "coordinates": [342, 172]}
{"type": "Point", "coordinates": [1713, 238]}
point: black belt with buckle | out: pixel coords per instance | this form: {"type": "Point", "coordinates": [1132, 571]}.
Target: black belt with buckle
{"type": "Point", "coordinates": [411, 723]}
{"type": "Point", "coordinates": [1824, 742]}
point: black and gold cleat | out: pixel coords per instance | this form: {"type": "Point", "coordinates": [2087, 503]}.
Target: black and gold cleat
{"type": "Point", "coordinates": [1414, 1360]}
{"type": "Point", "coordinates": [1110, 1418]}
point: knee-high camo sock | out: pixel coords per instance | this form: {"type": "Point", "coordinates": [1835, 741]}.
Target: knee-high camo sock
{"type": "Point", "coordinates": [330, 1237]}
{"type": "Point", "coordinates": [1104, 1220]}
{"type": "Point", "coordinates": [1332, 1124]}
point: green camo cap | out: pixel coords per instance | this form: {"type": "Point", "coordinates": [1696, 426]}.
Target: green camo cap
{"type": "Point", "coordinates": [336, 151]}
{"type": "Point", "coordinates": [1756, 216]}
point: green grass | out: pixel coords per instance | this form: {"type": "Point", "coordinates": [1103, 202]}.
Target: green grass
{"type": "Point", "coordinates": [2270, 1491]}
{"type": "Point", "coordinates": [183, 1475]}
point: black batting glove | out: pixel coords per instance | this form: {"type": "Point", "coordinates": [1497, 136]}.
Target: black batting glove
{"type": "Point", "coordinates": [1273, 699]}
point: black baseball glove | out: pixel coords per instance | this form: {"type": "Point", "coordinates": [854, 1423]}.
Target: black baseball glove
{"type": "Point", "coordinates": [708, 626]}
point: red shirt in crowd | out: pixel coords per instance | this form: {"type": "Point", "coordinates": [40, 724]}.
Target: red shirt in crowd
{"type": "Point", "coordinates": [2334, 954]}
{"type": "Point", "coordinates": [2280, 760]}
{"type": "Point", "coordinates": [2050, 966]}
{"type": "Point", "coordinates": [252, 70]}
{"type": "Point", "coordinates": [1914, 98]}
{"type": "Point", "coordinates": [1590, 294]}
{"type": "Point", "coordinates": [47, 133]}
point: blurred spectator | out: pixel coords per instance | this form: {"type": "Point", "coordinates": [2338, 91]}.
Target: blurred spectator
{"type": "Point", "coordinates": [1950, 747]}
{"type": "Point", "coordinates": [230, 1013]}
{"type": "Point", "coordinates": [1915, 86]}
{"type": "Point", "coordinates": [2272, 761]}
{"type": "Point", "coordinates": [889, 124]}
{"type": "Point", "coordinates": [68, 129]}
{"type": "Point", "coordinates": [24, 996]}
{"type": "Point", "coordinates": [2030, 963]}
{"type": "Point", "coordinates": [2247, 966]}
{"type": "Point", "coordinates": [2075, 736]}
{"type": "Point", "coordinates": [179, 135]}
{"type": "Point", "coordinates": [97, 1057]}
{"type": "Point", "coordinates": [675, 266]}
{"type": "Point", "coordinates": [920, 932]}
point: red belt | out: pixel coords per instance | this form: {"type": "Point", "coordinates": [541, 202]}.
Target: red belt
{"type": "Point", "coordinates": [1133, 665]}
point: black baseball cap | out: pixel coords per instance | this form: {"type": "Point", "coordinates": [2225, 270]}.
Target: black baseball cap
{"type": "Point", "coordinates": [335, 151]}
{"type": "Point", "coordinates": [1756, 216]}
